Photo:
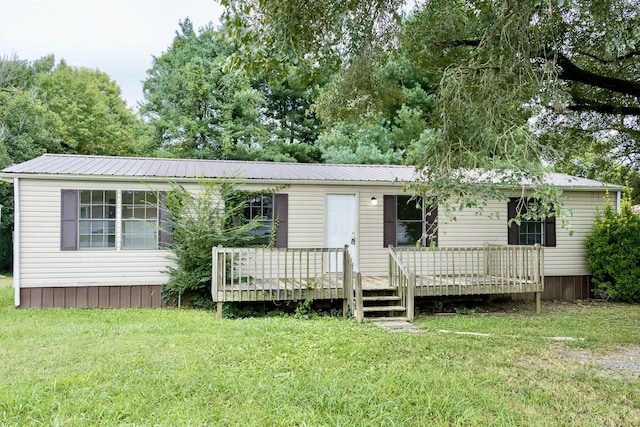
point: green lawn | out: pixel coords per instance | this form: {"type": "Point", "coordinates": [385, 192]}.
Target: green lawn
{"type": "Point", "coordinates": [6, 281]}
{"type": "Point", "coordinates": [168, 367]}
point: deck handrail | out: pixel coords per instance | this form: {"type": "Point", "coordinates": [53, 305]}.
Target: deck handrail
{"type": "Point", "coordinates": [401, 278]}
{"type": "Point", "coordinates": [509, 268]}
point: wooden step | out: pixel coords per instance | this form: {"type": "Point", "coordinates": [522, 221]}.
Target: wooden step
{"type": "Point", "coordinates": [382, 298]}
{"type": "Point", "coordinates": [383, 308]}
{"type": "Point", "coordinates": [399, 318]}
{"type": "Point", "coordinates": [380, 289]}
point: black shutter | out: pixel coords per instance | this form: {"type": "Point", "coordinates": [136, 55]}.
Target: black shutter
{"type": "Point", "coordinates": [389, 220]}
{"type": "Point", "coordinates": [164, 222]}
{"type": "Point", "coordinates": [281, 215]}
{"type": "Point", "coordinates": [550, 231]}
{"type": "Point", "coordinates": [513, 229]}
{"type": "Point", "coordinates": [69, 220]}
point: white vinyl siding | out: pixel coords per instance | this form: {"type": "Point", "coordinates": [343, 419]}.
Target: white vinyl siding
{"type": "Point", "coordinates": [43, 264]}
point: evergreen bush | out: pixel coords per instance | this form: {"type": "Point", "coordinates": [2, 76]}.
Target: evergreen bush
{"type": "Point", "coordinates": [613, 252]}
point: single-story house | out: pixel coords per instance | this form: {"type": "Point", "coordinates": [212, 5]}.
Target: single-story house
{"type": "Point", "coordinates": [88, 229]}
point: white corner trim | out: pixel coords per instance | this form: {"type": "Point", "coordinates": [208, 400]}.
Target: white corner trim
{"type": "Point", "coordinates": [16, 240]}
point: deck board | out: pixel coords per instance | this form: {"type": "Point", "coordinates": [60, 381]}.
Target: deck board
{"type": "Point", "coordinates": [330, 289]}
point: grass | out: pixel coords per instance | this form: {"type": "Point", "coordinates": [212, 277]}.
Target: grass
{"type": "Point", "coordinates": [6, 281]}
{"type": "Point", "coordinates": [169, 367]}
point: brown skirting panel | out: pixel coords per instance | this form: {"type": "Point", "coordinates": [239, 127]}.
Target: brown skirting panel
{"type": "Point", "coordinates": [563, 288]}
{"type": "Point", "coordinates": [147, 296]}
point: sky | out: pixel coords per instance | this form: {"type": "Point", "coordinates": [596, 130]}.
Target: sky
{"type": "Point", "coordinates": [118, 37]}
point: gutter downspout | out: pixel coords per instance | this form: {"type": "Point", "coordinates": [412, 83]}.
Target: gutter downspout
{"type": "Point", "coordinates": [618, 200]}
{"type": "Point", "coordinates": [16, 240]}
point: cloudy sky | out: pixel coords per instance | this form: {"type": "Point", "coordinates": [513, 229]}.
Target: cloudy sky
{"type": "Point", "coordinates": [118, 37]}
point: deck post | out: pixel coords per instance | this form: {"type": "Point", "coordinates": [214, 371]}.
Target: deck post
{"type": "Point", "coordinates": [538, 303]}
{"type": "Point", "coordinates": [347, 277]}
{"type": "Point", "coordinates": [219, 306]}
{"type": "Point", "coordinates": [359, 303]}
{"type": "Point", "coordinates": [411, 291]}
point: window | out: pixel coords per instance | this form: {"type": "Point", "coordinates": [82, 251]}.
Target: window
{"type": "Point", "coordinates": [97, 223]}
{"type": "Point", "coordinates": [261, 207]}
{"type": "Point", "coordinates": [139, 220]}
{"type": "Point", "coordinates": [113, 219]}
{"type": "Point", "coordinates": [407, 222]}
{"type": "Point", "coordinates": [530, 231]}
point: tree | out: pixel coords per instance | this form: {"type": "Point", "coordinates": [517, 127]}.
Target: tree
{"type": "Point", "coordinates": [375, 111]}
{"type": "Point", "coordinates": [52, 108]}
{"type": "Point", "coordinates": [502, 65]}
{"type": "Point", "coordinates": [195, 107]}
{"type": "Point", "coordinates": [289, 115]}
{"type": "Point", "coordinates": [276, 34]}
{"type": "Point", "coordinates": [94, 118]}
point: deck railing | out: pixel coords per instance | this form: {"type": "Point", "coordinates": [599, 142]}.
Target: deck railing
{"type": "Point", "coordinates": [489, 269]}
{"type": "Point", "coordinates": [404, 280]}
{"type": "Point", "coordinates": [274, 274]}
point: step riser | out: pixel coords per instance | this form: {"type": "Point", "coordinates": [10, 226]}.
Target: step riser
{"type": "Point", "coordinates": [382, 303]}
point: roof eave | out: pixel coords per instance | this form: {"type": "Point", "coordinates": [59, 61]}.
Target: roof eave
{"type": "Point", "coordinates": [9, 176]}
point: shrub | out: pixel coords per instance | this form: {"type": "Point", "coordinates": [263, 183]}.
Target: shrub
{"type": "Point", "coordinates": [200, 221]}
{"type": "Point", "coordinates": [613, 252]}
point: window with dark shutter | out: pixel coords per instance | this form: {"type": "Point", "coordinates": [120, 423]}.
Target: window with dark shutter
{"type": "Point", "coordinates": [530, 231]}
{"type": "Point", "coordinates": [88, 220]}
{"type": "Point", "coordinates": [408, 221]}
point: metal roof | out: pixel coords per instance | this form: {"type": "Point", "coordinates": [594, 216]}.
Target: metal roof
{"type": "Point", "coordinates": [68, 164]}
{"type": "Point", "coordinates": [137, 167]}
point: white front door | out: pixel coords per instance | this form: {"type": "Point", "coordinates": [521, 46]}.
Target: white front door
{"type": "Point", "coordinates": [341, 226]}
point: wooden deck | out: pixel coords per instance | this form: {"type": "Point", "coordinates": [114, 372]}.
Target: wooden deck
{"type": "Point", "coordinates": [426, 286]}
{"type": "Point", "coordinates": [266, 274]}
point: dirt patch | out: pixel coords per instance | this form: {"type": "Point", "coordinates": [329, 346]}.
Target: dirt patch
{"type": "Point", "coordinates": [622, 363]}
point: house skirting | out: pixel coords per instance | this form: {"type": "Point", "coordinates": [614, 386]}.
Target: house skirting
{"type": "Point", "coordinates": [562, 288]}
{"type": "Point", "coordinates": [146, 296]}
{"type": "Point", "coordinates": [556, 288]}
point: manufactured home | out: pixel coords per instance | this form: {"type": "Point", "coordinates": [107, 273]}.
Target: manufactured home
{"type": "Point", "coordinates": [89, 232]}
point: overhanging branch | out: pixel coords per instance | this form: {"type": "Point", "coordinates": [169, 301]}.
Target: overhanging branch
{"type": "Point", "coordinates": [582, 105]}
{"type": "Point", "coordinates": [571, 72]}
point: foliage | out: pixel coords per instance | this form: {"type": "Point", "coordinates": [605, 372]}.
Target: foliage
{"type": "Point", "coordinates": [613, 251]}
{"type": "Point", "coordinates": [54, 108]}
{"type": "Point", "coordinates": [288, 113]}
{"type": "Point", "coordinates": [277, 34]}
{"type": "Point", "coordinates": [522, 85]}
{"type": "Point", "coordinates": [359, 144]}
{"type": "Point", "coordinates": [93, 118]}
{"type": "Point", "coordinates": [376, 110]}
{"type": "Point", "coordinates": [199, 108]}
{"type": "Point", "coordinates": [195, 107]}
{"type": "Point", "coordinates": [181, 367]}
{"type": "Point", "coordinates": [600, 161]}
{"type": "Point", "coordinates": [199, 222]}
